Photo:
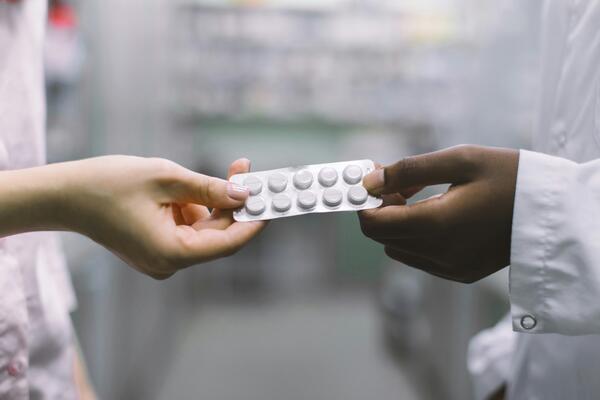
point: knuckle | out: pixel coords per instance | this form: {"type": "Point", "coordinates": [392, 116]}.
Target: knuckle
{"type": "Point", "coordinates": [468, 155]}
{"type": "Point", "coordinates": [206, 190]}
{"type": "Point", "coordinates": [402, 167]}
{"type": "Point", "coordinates": [165, 170]}
{"type": "Point", "coordinates": [464, 150]}
{"type": "Point", "coordinates": [408, 164]}
{"type": "Point", "coordinates": [212, 189]}
{"type": "Point", "coordinates": [161, 164]}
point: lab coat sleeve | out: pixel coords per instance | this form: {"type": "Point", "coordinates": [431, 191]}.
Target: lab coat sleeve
{"type": "Point", "coordinates": [555, 252]}
{"type": "Point", "coordinates": [489, 358]}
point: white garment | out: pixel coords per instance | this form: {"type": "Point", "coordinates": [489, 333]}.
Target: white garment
{"type": "Point", "coordinates": [555, 260]}
{"type": "Point", "coordinates": [36, 341]}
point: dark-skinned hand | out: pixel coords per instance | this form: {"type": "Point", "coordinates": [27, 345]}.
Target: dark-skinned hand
{"type": "Point", "coordinates": [462, 235]}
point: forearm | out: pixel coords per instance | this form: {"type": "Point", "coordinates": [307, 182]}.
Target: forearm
{"type": "Point", "coordinates": [34, 199]}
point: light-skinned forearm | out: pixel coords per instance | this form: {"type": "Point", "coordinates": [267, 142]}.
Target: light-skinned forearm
{"type": "Point", "coordinates": [34, 199]}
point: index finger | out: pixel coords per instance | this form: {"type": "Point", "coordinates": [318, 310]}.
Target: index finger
{"type": "Point", "coordinates": [453, 165]}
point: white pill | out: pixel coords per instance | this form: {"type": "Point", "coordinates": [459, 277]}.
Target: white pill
{"type": "Point", "coordinates": [281, 202]}
{"type": "Point", "coordinates": [357, 195]}
{"type": "Point", "coordinates": [352, 174]}
{"type": "Point", "coordinates": [253, 184]}
{"type": "Point", "coordinates": [328, 176]}
{"type": "Point", "coordinates": [332, 197]}
{"type": "Point", "coordinates": [303, 179]}
{"type": "Point", "coordinates": [277, 182]}
{"type": "Point", "coordinates": [307, 200]}
{"type": "Point", "coordinates": [255, 206]}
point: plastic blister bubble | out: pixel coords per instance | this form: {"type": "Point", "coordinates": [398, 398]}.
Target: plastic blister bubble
{"type": "Point", "coordinates": [318, 188]}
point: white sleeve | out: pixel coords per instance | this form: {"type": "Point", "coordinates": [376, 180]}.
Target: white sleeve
{"type": "Point", "coordinates": [489, 358]}
{"type": "Point", "coordinates": [555, 256]}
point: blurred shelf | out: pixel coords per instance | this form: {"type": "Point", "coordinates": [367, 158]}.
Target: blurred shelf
{"type": "Point", "coordinates": [341, 64]}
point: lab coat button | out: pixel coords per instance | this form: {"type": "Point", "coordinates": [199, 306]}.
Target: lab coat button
{"type": "Point", "coordinates": [528, 322]}
{"type": "Point", "coordinates": [15, 368]}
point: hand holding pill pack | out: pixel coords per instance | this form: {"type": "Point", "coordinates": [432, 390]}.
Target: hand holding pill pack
{"type": "Point", "coordinates": [319, 188]}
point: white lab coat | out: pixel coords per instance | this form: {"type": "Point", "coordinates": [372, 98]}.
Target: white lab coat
{"type": "Point", "coordinates": [555, 260]}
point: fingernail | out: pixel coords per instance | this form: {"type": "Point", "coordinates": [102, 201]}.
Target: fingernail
{"type": "Point", "coordinates": [375, 181]}
{"type": "Point", "coordinates": [237, 192]}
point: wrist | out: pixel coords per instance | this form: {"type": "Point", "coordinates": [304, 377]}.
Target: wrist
{"type": "Point", "coordinates": [64, 195]}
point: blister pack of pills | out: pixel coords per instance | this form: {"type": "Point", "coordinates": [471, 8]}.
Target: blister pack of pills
{"type": "Point", "coordinates": [306, 189]}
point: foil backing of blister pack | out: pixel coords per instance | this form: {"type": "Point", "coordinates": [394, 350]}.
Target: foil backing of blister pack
{"type": "Point", "coordinates": [306, 189]}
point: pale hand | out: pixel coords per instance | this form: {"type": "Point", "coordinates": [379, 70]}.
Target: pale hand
{"type": "Point", "coordinates": [152, 213]}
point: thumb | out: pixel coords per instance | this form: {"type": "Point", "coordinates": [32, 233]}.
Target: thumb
{"type": "Point", "coordinates": [453, 165]}
{"type": "Point", "coordinates": [209, 191]}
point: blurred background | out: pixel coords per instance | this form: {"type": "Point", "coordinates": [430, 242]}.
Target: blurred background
{"type": "Point", "coordinates": [311, 309]}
